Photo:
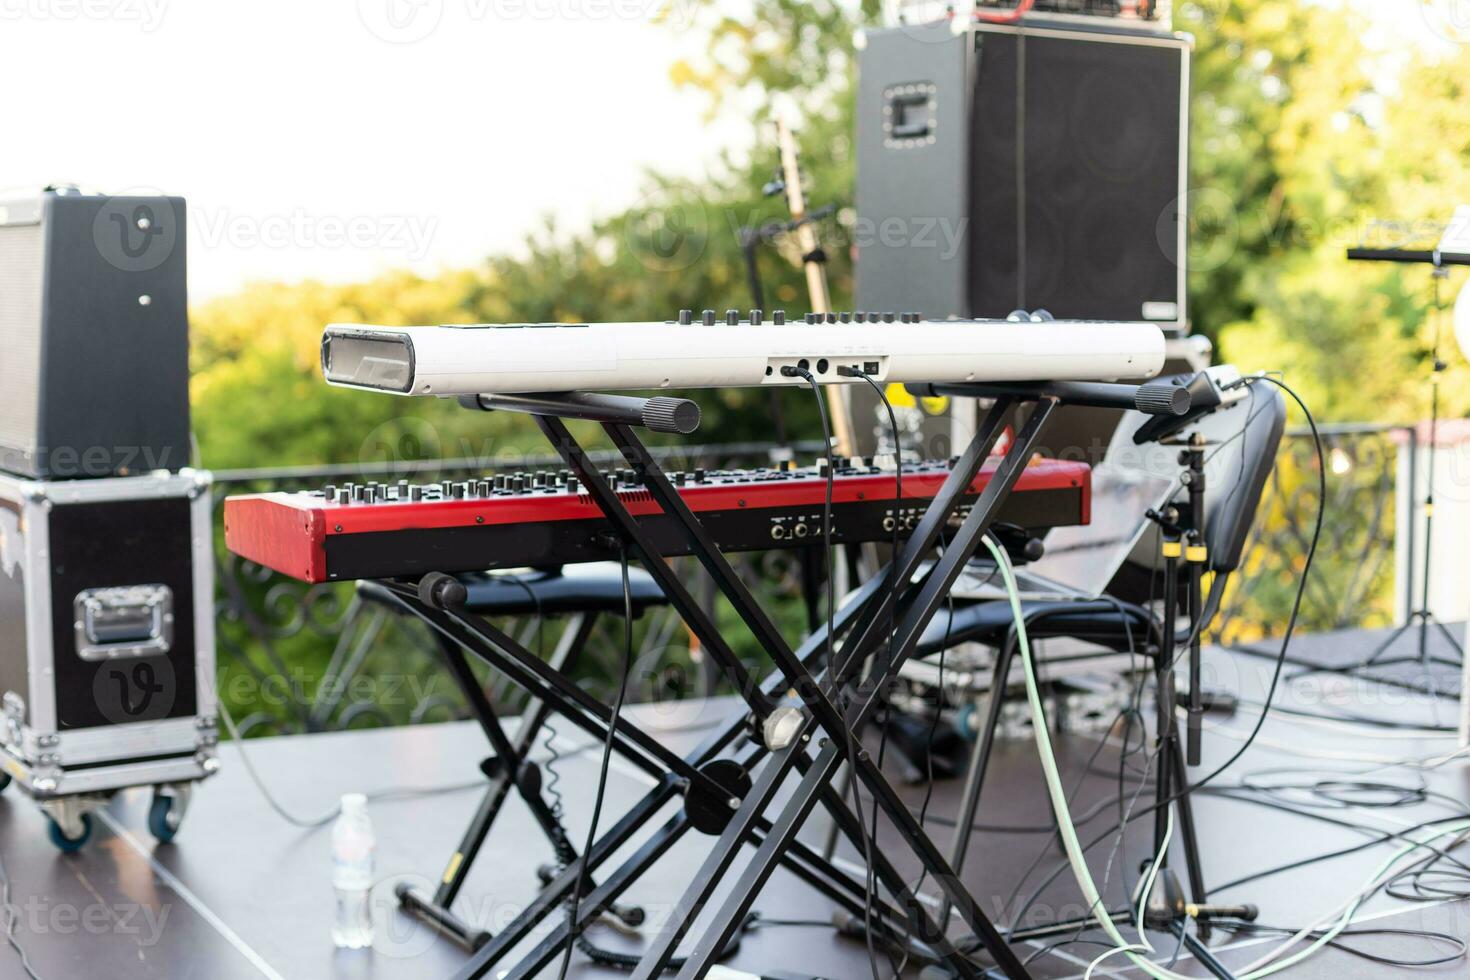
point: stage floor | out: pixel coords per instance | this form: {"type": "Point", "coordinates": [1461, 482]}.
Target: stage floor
{"type": "Point", "coordinates": [243, 894]}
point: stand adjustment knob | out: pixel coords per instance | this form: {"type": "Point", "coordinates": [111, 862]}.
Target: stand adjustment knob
{"type": "Point", "coordinates": [1163, 398]}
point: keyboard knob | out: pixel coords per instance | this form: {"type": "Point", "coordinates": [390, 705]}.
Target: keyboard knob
{"type": "Point", "coordinates": [699, 476]}
{"type": "Point", "coordinates": [344, 496]}
{"type": "Point", "coordinates": [329, 491]}
{"type": "Point", "coordinates": [755, 318]}
{"type": "Point", "coordinates": [572, 484]}
{"type": "Point", "coordinates": [518, 484]}
{"type": "Point", "coordinates": [686, 317]}
{"type": "Point", "coordinates": [415, 493]}
{"type": "Point", "coordinates": [680, 478]}
{"type": "Point", "coordinates": [370, 494]}
{"type": "Point", "coordinates": [779, 318]}
{"type": "Point", "coordinates": [707, 318]}
{"type": "Point", "coordinates": [732, 318]}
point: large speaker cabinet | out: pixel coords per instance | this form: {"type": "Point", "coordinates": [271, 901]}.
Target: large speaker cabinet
{"type": "Point", "coordinates": [1028, 167]}
{"type": "Point", "coordinates": [94, 336]}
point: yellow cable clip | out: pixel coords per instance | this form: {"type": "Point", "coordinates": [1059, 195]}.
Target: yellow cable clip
{"type": "Point", "coordinates": [1197, 553]}
{"type": "Point", "coordinates": [1172, 549]}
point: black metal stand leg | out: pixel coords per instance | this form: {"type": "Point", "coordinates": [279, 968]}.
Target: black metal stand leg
{"type": "Point", "coordinates": [463, 858]}
{"type": "Point", "coordinates": [1201, 952]}
{"type": "Point", "coordinates": [1190, 838]}
{"type": "Point", "coordinates": [567, 699]}
{"type": "Point", "coordinates": [511, 767]}
{"type": "Point", "coordinates": [599, 898]}
{"type": "Point", "coordinates": [509, 771]}
{"type": "Point", "coordinates": [555, 894]}
{"type": "Point", "coordinates": [719, 860]}
{"type": "Point", "coordinates": [979, 763]}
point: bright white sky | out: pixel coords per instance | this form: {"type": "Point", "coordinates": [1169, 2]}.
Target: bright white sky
{"type": "Point", "coordinates": [335, 139]}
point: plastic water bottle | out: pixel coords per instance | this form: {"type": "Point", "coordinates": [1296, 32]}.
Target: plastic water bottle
{"type": "Point", "coordinates": [352, 873]}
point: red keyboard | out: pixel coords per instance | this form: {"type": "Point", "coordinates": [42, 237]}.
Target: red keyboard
{"type": "Point", "coordinates": [376, 530]}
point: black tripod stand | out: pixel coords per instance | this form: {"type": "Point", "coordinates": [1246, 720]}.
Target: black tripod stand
{"type": "Point", "coordinates": [1421, 620]}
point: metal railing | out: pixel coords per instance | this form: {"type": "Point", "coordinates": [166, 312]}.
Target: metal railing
{"type": "Point", "coordinates": [297, 657]}
{"type": "Point", "coordinates": [1352, 579]}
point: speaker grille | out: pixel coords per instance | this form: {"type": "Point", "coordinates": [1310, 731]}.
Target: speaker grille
{"type": "Point", "coordinates": [20, 337]}
{"type": "Point", "coordinates": [1100, 159]}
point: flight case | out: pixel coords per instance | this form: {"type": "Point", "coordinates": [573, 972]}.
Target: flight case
{"type": "Point", "coordinates": [107, 643]}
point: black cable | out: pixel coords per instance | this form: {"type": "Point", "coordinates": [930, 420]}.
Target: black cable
{"type": "Point", "coordinates": [1296, 605]}
{"type": "Point", "coordinates": [893, 639]}
{"type": "Point", "coordinates": [1459, 944]}
{"type": "Point", "coordinates": [868, 838]}
{"type": "Point", "coordinates": [574, 926]}
{"type": "Point", "coordinates": [11, 915]}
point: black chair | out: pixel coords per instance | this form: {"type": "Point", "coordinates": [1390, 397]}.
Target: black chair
{"type": "Point", "coordinates": [579, 594]}
{"type": "Point", "coordinates": [1243, 443]}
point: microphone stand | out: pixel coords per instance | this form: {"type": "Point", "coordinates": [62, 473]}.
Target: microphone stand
{"type": "Point", "coordinates": [1423, 617]}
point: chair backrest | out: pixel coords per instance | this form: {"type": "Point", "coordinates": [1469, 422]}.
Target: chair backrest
{"type": "Point", "coordinates": [1243, 441]}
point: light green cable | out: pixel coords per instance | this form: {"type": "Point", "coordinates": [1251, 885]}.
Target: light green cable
{"type": "Point", "coordinates": [1073, 846]}
{"type": "Point", "coordinates": [1147, 887]}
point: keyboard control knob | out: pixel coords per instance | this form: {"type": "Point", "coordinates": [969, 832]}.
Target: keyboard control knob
{"type": "Point", "coordinates": [707, 318]}
{"type": "Point", "coordinates": [415, 493]}
{"type": "Point", "coordinates": [572, 484]}
{"type": "Point", "coordinates": [732, 318]}
{"type": "Point", "coordinates": [779, 318]}
{"type": "Point", "coordinates": [686, 317]}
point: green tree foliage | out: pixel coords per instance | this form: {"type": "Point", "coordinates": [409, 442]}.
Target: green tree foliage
{"type": "Point", "coordinates": [1304, 142]}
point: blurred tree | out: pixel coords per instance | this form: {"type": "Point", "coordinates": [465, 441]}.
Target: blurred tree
{"type": "Point", "coordinates": [1304, 142]}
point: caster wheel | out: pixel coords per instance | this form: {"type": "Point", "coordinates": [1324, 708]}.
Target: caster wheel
{"type": "Point", "coordinates": [164, 819]}
{"type": "Point", "coordinates": [65, 844]}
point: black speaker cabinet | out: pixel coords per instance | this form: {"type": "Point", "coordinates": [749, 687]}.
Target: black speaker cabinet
{"type": "Point", "coordinates": [1007, 168]}
{"type": "Point", "coordinates": [94, 336]}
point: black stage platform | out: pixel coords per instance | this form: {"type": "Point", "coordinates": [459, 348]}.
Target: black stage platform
{"type": "Point", "coordinates": [242, 894]}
